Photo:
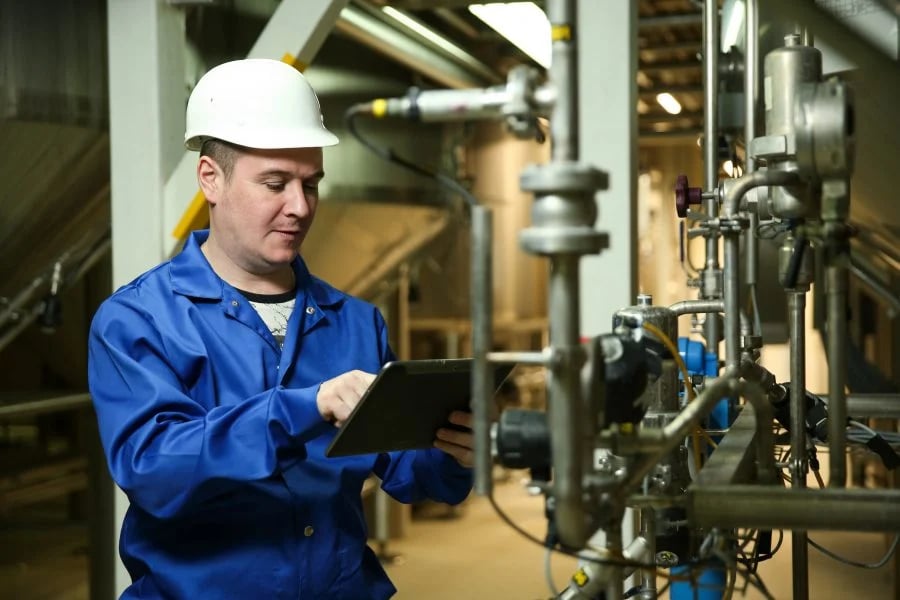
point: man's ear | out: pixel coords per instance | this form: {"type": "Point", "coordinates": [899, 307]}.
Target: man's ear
{"type": "Point", "coordinates": [211, 179]}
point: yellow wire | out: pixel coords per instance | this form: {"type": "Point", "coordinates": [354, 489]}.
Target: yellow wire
{"type": "Point", "coordinates": [673, 350]}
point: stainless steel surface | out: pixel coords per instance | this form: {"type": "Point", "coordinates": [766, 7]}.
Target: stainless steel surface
{"type": "Point", "coordinates": [673, 434]}
{"type": "Point", "coordinates": [739, 187]}
{"type": "Point", "coordinates": [615, 581]}
{"type": "Point", "coordinates": [571, 449]}
{"type": "Point", "coordinates": [710, 95]}
{"type": "Point", "coordinates": [563, 74]}
{"type": "Point", "coordinates": [874, 405]}
{"type": "Point", "coordinates": [751, 105]}
{"type": "Point", "coordinates": [805, 269]}
{"type": "Point", "coordinates": [660, 316]}
{"type": "Point", "coordinates": [482, 311]}
{"type": "Point", "coordinates": [787, 70]}
{"type": "Point", "coordinates": [689, 307]}
{"type": "Point", "coordinates": [732, 299]}
{"type": "Point", "coordinates": [824, 123]}
{"type": "Point", "coordinates": [711, 163]}
{"type": "Point", "coordinates": [773, 507]}
{"type": "Point", "coordinates": [797, 321]}
{"type": "Point", "coordinates": [734, 461]}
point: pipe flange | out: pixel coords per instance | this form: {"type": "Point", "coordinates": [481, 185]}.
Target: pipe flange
{"type": "Point", "coordinates": [564, 178]}
{"type": "Point", "coordinates": [547, 241]}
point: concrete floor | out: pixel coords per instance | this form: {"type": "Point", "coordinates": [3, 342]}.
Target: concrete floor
{"type": "Point", "coordinates": [445, 555]}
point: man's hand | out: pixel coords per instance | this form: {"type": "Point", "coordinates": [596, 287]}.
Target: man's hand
{"type": "Point", "coordinates": [339, 396]}
{"type": "Point", "coordinates": [458, 444]}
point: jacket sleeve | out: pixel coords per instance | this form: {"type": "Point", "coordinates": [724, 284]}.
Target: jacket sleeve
{"type": "Point", "coordinates": [415, 475]}
{"type": "Point", "coordinates": [165, 450]}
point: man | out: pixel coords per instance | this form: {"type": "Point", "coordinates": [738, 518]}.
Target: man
{"type": "Point", "coordinates": [219, 377]}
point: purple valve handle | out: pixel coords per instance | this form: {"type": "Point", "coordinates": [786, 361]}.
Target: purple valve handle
{"type": "Point", "coordinates": [686, 195]}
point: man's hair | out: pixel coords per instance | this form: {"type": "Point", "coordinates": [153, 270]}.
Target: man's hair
{"type": "Point", "coordinates": [223, 153]}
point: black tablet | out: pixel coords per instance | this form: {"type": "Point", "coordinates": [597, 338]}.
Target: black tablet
{"type": "Point", "coordinates": [406, 404]}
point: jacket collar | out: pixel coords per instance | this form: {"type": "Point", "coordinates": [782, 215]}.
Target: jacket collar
{"type": "Point", "coordinates": [193, 276]}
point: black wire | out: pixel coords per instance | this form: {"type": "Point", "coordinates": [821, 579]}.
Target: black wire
{"type": "Point", "coordinates": [600, 561]}
{"type": "Point", "coordinates": [388, 154]}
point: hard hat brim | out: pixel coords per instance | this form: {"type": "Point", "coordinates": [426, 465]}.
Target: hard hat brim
{"type": "Point", "coordinates": [266, 140]}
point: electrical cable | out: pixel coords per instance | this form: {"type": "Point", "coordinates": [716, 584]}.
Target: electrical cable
{"type": "Point", "coordinates": [548, 573]}
{"type": "Point", "coordinates": [876, 565]}
{"type": "Point", "coordinates": [388, 154]}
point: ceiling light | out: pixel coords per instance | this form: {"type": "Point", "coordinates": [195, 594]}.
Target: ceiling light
{"type": "Point", "coordinates": [524, 24]}
{"type": "Point", "coordinates": [417, 27]}
{"type": "Point", "coordinates": [669, 103]}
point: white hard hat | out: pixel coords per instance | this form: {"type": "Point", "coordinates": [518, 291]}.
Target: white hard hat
{"type": "Point", "coordinates": [257, 103]}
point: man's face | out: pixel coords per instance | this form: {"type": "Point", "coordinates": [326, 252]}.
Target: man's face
{"type": "Point", "coordinates": [261, 216]}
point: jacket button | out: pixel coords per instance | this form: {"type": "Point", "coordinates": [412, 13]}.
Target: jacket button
{"type": "Point", "coordinates": [308, 531]}
{"type": "Point", "coordinates": [234, 302]}
{"type": "Point", "coordinates": [310, 310]}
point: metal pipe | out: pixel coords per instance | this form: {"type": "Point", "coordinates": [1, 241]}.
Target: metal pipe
{"type": "Point", "coordinates": [751, 78]}
{"type": "Point", "coordinates": [880, 289]}
{"type": "Point", "coordinates": [680, 427]}
{"type": "Point", "coordinates": [874, 405]}
{"type": "Point", "coordinates": [44, 406]}
{"type": "Point", "coordinates": [732, 283]}
{"type": "Point", "coordinates": [774, 507]}
{"type": "Point", "coordinates": [522, 358]}
{"type": "Point", "coordinates": [563, 75]}
{"type": "Point", "coordinates": [836, 303]}
{"type": "Point", "coordinates": [365, 28]}
{"type": "Point", "coordinates": [742, 185]}
{"type": "Point", "coordinates": [568, 446]}
{"type": "Point", "coordinates": [648, 533]}
{"type": "Point", "coordinates": [691, 307]}
{"type": "Point", "coordinates": [482, 313]}
{"type": "Point", "coordinates": [751, 100]}
{"type": "Point", "coordinates": [615, 582]}
{"type": "Point", "coordinates": [710, 94]}
{"type": "Point", "coordinates": [640, 549]}
{"type": "Point", "coordinates": [797, 321]}
{"type": "Point", "coordinates": [710, 160]}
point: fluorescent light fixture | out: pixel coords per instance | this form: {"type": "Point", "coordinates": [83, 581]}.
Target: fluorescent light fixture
{"type": "Point", "coordinates": [669, 103]}
{"type": "Point", "coordinates": [418, 27]}
{"type": "Point", "coordinates": [524, 24]}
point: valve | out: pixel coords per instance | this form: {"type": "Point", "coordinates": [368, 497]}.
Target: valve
{"type": "Point", "coordinates": [685, 195]}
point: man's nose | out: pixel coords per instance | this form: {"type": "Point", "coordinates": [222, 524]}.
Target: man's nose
{"type": "Point", "coordinates": [296, 200]}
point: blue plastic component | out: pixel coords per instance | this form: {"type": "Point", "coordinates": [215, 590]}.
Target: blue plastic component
{"type": "Point", "coordinates": [710, 584]}
{"type": "Point", "coordinates": [693, 354]}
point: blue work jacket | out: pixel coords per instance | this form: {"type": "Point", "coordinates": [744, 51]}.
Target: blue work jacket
{"type": "Point", "coordinates": [212, 431]}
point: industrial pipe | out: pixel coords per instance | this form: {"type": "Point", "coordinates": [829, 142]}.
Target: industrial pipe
{"type": "Point", "coordinates": [711, 160]}
{"type": "Point", "coordinates": [690, 307]}
{"type": "Point", "coordinates": [773, 507]}
{"type": "Point", "coordinates": [673, 434]}
{"type": "Point", "coordinates": [799, 546]}
{"type": "Point", "coordinates": [482, 313]}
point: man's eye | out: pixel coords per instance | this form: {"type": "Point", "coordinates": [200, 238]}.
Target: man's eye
{"type": "Point", "coordinates": [275, 186]}
{"type": "Point", "coordinates": [311, 188]}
